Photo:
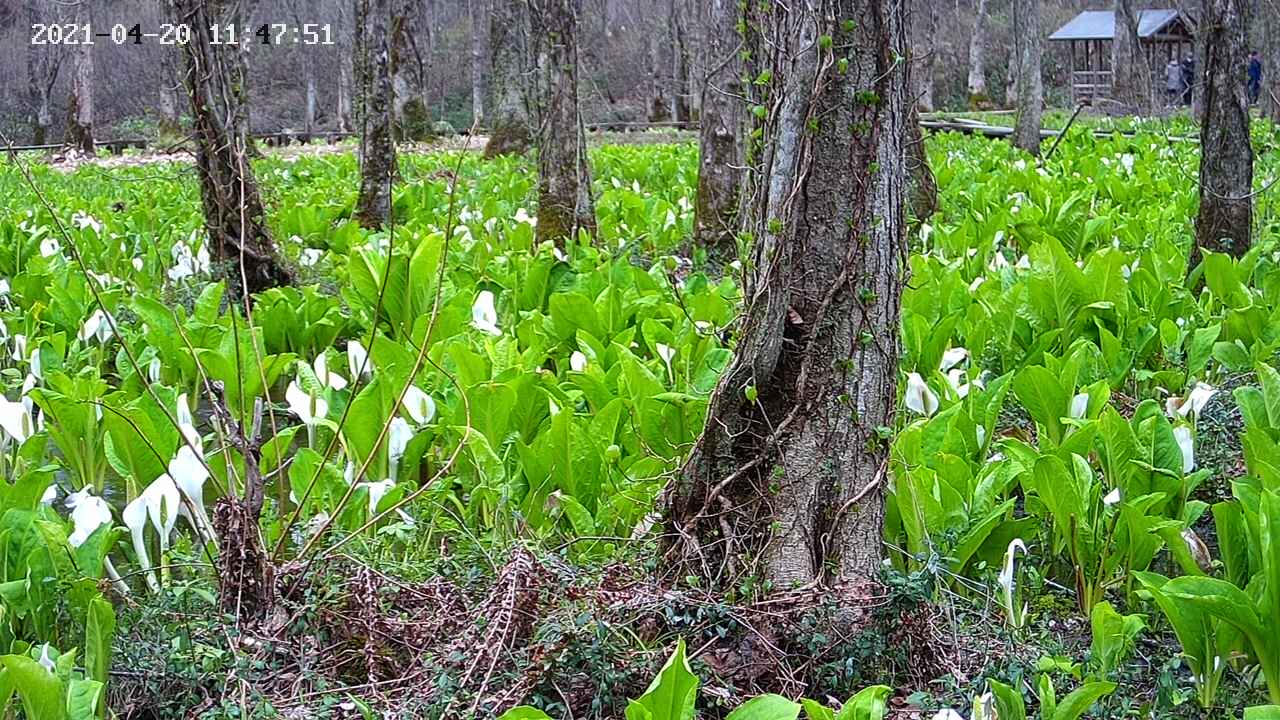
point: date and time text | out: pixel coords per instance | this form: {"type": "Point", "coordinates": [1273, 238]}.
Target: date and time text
{"type": "Point", "coordinates": [180, 34]}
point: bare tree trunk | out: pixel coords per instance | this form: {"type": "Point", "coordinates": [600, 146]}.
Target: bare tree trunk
{"type": "Point", "coordinates": [233, 211]}
{"type": "Point", "coordinates": [377, 144]}
{"type": "Point", "coordinates": [478, 15]}
{"type": "Point", "coordinates": [346, 57]}
{"type": "Point", "coordinates": [925, 54]}
{"type": "Point", "coordinates": [1026, 131]}
{"type": "Point", "coordinates": [79, 135]}
{"type": "Point", "coordinates": [408, 110]}
{"type": "Point", "coordinates": [680, 111]}
{"type": "Point", "coordinates": [43, 63]}
{"type": "Point", "coordinates": [924, 187]}
{"type": "Point", "coordinates": [977, 57]}
{"type": "Point", "coordinates": [1270, 101]}
{"type": "Point", "coordinates": [565, 203]}
{"type": "Point", "coordinates": [1224, 223]}
{"type": "Point", "coordinates": [510, 74]}
{"type": "Point", "coordinates": [659, 109]}
{"type": "Point", "coordinates": [170, 83]}
{"type": "Point", "coordinates": [720, 135]}
{"type": "Point", "coordinates": [1130, 76]}
{"type": "Point", "coordinates": [786, 482]}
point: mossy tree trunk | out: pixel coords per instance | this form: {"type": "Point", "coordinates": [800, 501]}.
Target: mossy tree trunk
{"type": "Point", "coordinates": [374, 109]}
{"type": "Point", "coordinates": [1026, 131]}
{"type": "Point", "coordinates": [510, 76]}
{"type": "Point", "coordinates": [720, 135]}
{"type": "Point", "coordinates": [786, 482]}
{"type": "Point", "coordinates": [565, 202]}
{"type": "Point", "coordinates": [234, 215]}
{"type": "Point", "coordinates": [1225, 220]}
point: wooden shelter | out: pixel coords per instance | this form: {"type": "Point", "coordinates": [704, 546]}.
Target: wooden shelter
{"type": "Point", "coordinates": [1164, 35]}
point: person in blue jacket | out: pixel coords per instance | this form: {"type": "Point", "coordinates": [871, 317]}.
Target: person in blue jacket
{"type": "Point", "coordinates": [1255, 77]}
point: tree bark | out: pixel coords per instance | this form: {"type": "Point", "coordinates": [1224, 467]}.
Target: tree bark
{"type": "Point", "coordinates": [1026, 131]}
{"type": "Point", "coordinates": [478, 14]}
{"type": "Point", "coordinates": [234, 215]}
{"type": "Point", "coordinates": [346, 71]}
{"type": "Point", "coordinates": [924, 187]}
{"type": "Point", "coordinates": [1224, 223]}
{"type": "Point", "coordinates": [170, 84]}
{"type": "Point", "coordinates": [720, 135]}
{"type": "Point", "coordinates": [565, 202]}
{"type": "Point", "coordinates": [681, 113]}
{"type": "Point", "coordinates": [659, 109]}
{"type": "Point", "coordinates": [79, 135]}
{"type": "Point", "coordinates": [925, 54]}
{"type": "Point", "coordinates": [1270, 101]}
{"type": "Point", "coordinates": [1130, 76]}
{"type": "Point", "coordinates": [377, 143]}
{"type": "Point", "coordinates": [786, 481]}
{"type": "Point", "coordinates": [510, 74]}
{"type": "Point", "coordinates": [43, 64]}
{"type": "Point", "coordinates": [977, 57]}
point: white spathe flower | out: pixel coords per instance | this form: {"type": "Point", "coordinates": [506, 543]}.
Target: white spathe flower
{"type": "Point", "coordinates": [1195, 401]}
{"type": "Point", "coordinates": [45, 661]}
{"type": "Point", "coordinates": [16, 420]}
{"type": "Point", "coordinates": [577, 361]}
{"type": "Point", "coordinates": [523, 216]}
{"type": "Point", "coordinates": [1112, 497]}
{"type": "Point", "coordinates": [358, 360]}
{"type": "Point", "coordinates": [955, 377]}
{"type": "Point", "coordinates": [947, 714]}
{"type": "Point", "coordinates": [953, 357]}
{"type": "Point", "coordinates": [419, 405]}
{"type": "Point", "coordinates": [399, 433]}
{"type": "Point", "coordinates": [158, 504]}
{"type": "Point", "coordinates": [919, 398]}
{"type": "Point", "coordinates": [309, 409]}
{"type": "Point", "coordinates": [1009, 584]}
{"type": "Point", "coordinates": [189, 473]}
{"type": "Point", "coordinates": [137, 264]}
{"type": "Point", "coordinates": [19, 346]}
{"type": "Point", "coordinates": [376, 492]}
{"type": "Point", "coordinates": [85, 221]}
{"type": "Point", "coordinates": [327, 377]}
{"type": "Point", "coordinates": [1079, 406]}
{"type": "Point", "coordinates": [484, 316]}
{"type": "Point", "coordinates": [36, 366]}
{"type": "Point", "coordinates": [1186, 443]}
{"type": "Point", "coordinates": [184, 416]}
{"type": "Point", "coordinates": [49, 247]}
{"type": "Point", "coordinates": [153, 369]}
{"type": "Point", "coordinates": [88, 513]}
{"type": "Point", "coordinates": [49, 495]}
{"type": "Point", "coordinates": [310, 256]}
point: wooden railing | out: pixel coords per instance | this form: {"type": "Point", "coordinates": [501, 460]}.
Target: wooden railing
{"type": "Point", "coordinates": [1089, 85]}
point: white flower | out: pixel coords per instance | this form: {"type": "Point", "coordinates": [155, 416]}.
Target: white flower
{"type": "Point", "coordinates": [1024, 263]}
{"type": "Point", "coordinates": [49, 495]}
{"type": "Point", "coordinates": [918, 397]}
{"type": "Point", "coordinates": [88, 513]}
{"type": "Point", "coordinates": [376, 492]}
{"type": "Point", "coordinates": [137, 264]}
{"type": "Point", "coordinates": [158, 504]}
{"type": "Point", "coordinates": [667, 353]}
{"type": "Point", "coordinates": [16, 420]}
{"type": "Point", "coordinates": [483, 314]}
{"type": "Point", "coordinates": [189, 473]}
{"type": "Point", "coordinates": [1126, 160]}
{"type": "Point", "coordinates": [984, 707]}
{"type": "Point", "coordinates": [97, 326]}
{"type": "Point", "coordinates": [955, 377]}
{"type": "Point", "coordinates": [310, 256]}
{"type": "Point", "coordinates": [577, 361]}
{"type": "Point", "coordinates": [947, 714]}
{"type": "Point", "coordinates": [85, 221]}
{"type": "Point", "coordinates": [977, 283]}
{"type": "Point", "coordinates": [358, 359]}
{"type": "Point", "coordinates": [1009, 585]}
{"type": "Point", "coordinates": [980, 432]}
{"type": "Point", "coordinates": [419, 405]}
{"type": "Point", "coordinates": [35, 362]}
{"type": "Point", "coordinates": [45, 661]}
{"type": "Point", "coordinates": [399, 433]}
{"type": "Point", "coordinates": [308, 408]}
{"type": "Point", "coordinates": [1186, 443]}
{"type": "Point", "coordinates": [49, 247]}
{"type": "Point", "coordinates": [1112, 497]}
{"type": "Point", "coordinates": [1079, 406]}
{"type": "Point", "coordinates": [327, 377]}
{"type": "Point", "coordinates": [523, 216]}
{"type": "Point", "coordinates": [953, 357]}
{"type": "Point", "coordinates": [153, 369]}
{"type": "Point", "coordinates": [1195, 401]}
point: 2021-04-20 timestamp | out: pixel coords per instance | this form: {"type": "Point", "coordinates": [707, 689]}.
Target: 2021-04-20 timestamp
{"type": "Point", "coordinates": [180, 34]}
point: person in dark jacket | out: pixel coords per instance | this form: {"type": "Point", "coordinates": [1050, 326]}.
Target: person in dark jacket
{"type": "Point", "coordinates": [1255, 77]}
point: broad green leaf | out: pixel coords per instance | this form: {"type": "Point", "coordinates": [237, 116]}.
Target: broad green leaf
{"type": "Point", "coordinates": [766, 707]}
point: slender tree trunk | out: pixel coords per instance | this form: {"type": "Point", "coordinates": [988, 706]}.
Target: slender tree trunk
{"type": "Point", "coordinates": [925, 55]}
{"type": "Point", "coordinates": [977, 56]}
{"type": "Point", "coordinates": [786, 482]}
{"type": "Point", "coordinates": [565, 202]}
{"type": "Point", "coordinates": [234, 216]}
{"type": "Point", "coordinates": [79, 135]}
{"type": "Point", "coordinates": [478, 15]}
{"type": "Point", "coordinates": [1026, 131]}
{"type": "Point", "coordinates": [346, 56]}
{"type": "Point", "coordinates": [680, 111]}
{"type": "Point", "coordinates": [1269, 11]}
{"type": "Point", "coordinates": [924, 187]}
{"type": "Point", "coordinates": [377, 143]}
{"type": "Point", "coordinates": [168, 102]}
{"type": "Point", "coordinates": [659, 109]}
{"type": "Point", "coordinates": [720, 136]}
{"type": "Point", "coordinates": [510, 74]}
{"type": "Point", "coordinates": [1224, 223]}
{"type": "Point", "coordinates": [1130, 76]}
{"type": "Point", "coordinates": [409, 110]}
{"type": "Point", "coordinates": [43, 63]}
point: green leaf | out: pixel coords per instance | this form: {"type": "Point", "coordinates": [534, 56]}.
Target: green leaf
{"type": "Point", "coordinates": [1009, 702]}
{"type": "Point", "coordinates": [814, 710]}
{"type": "Point", "coordinates": [100, 626]}
{"type": "Point", "coordinates": [1078, 701]}
{"type": "Point", "coordinates": [1044, 398]}
{"type": "Point", "coordinates": [870, 703]}
{"type": "Point", "coordinates": [524, 712]}
{"type": "Point", "coordinates": [39, 690]}
{"type": "Point", "coordinates": [671, 695]}
{"type": "Point", "coordinates": [766, 707]}
{"type": "Point", "coordinates": [1262, 712]}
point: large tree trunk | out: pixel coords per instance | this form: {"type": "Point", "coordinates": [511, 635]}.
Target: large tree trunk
{"type": "Point", "coordinates": [659, 108]}
{"type": "Point", "coordinates": [720, 136]}
{"type": "Point", "coordinates": [924, 56]}
{"type": "Point", "coordinates": [977, 57]}
{"type": "Point", "coordinates": [478, 15]}
{"type": "Point", "coordinates": [786, 482]}
{"type": "Point", "coordinates": [234, 216]}
{"type": "Point", "coordinates": [1026, 131]}
{"type": "Point", "coordinates": [1270, 101]}
{"type": "Point", "coordinates": [346, 70]}
{"type": "Point", "coordinates": [1130, 76]}
{"type": "Point", "coordinates": [681, 113]}
{"type": "Point", "coordinates": [1226, 156]}
{"type": "Point", "coordinates": [565, 203]}
{"type": "Point", "coordinates": [79, 135]}
{"type": "Point", "coordinates": [168, 102]}
{"type": "Point", "coordinates": [510, 75]}
{"type": "Point", "coordinates": [43, 63]}
{"type": "Point", "coordinates": [924, 187]}
{"type": "Point", "coordinates": [377, 143]}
